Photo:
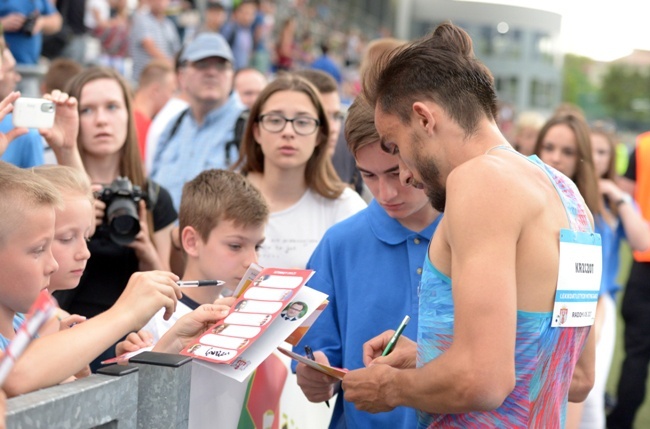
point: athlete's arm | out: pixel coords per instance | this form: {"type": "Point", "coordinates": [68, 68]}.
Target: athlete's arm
{"type": "Point", "coordinates": [482, 224]}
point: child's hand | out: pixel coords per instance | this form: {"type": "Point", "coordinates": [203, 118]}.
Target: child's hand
{"type": "Point", "coordinates": [70, 321]}
{"type": "Point", "coordinates": [134, 342]}
{"type": "Point", "coordinates": [228, 302]}
{"type": "Point", "coordinates": [146, 293]}
{"type": "Point", "coordinates": [189, 327]}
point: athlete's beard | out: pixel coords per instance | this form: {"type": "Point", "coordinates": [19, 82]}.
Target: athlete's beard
{"type": "Point", "coordinates": [428, 171]}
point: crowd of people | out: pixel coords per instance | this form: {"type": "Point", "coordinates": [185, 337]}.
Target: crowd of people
{"type": "Point", "coordinates": [413, 202]}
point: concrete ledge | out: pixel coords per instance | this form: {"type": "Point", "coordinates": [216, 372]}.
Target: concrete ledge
{"type": "Point", "coordinates": [95, 401]}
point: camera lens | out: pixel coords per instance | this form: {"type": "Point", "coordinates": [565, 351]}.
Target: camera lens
{"type": "Point", "coordinates": [122, 215]}
{"type": "Point", "coordinates": [123, 225]}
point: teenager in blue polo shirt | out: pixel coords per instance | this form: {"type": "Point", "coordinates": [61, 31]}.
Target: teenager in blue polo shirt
{"type": "Point", "coordinates": [370, 266]}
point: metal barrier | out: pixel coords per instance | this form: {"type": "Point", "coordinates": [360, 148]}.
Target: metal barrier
{"type": "Point", "coordinates": [152, 393]}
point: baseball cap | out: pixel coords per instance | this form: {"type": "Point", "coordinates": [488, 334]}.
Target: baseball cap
{"type": "Point", "coordinates": [206, 45]}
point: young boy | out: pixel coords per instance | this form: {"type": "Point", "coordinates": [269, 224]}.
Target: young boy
{"type": "Point", "coordinates": [27, 215]}
{"type": "Point", "coordinates": [372, 259]}
{"type": "Point", "coordinates": [27, 230]}
{"type": "Point", "coordinates": [74, 224]}
{"type": "Point", "coordinates": [222, 219]}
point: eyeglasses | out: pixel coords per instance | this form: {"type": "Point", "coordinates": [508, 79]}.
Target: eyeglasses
{"type": "Point", "coordinates": [302, 125]}
{"type": "Point", "coordinates": [218, 63]}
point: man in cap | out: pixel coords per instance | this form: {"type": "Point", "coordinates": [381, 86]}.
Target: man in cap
{"type": "Point", "coordinates": [196, 139]}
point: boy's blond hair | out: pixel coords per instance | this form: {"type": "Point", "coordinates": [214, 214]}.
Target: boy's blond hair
{"type": "Point", "coordinates": [67, 180]}
{"type": "Point", "coordinates": [217, 195]}
{"type": "Point", "coordinates": [22, 191]}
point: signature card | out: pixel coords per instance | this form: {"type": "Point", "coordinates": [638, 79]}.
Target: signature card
{"type": "Point", "coordinates": [270, 296]}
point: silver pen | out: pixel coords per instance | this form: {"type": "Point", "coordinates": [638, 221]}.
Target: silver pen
{"type": "Point", "coordinates": [200, 283]}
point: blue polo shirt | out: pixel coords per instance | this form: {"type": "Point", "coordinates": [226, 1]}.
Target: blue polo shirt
{"type": "Point", "coordinates": [24, 151]}
{"type": "Point", "coordinates": [611, 238]}
{"type": "Point", "coordinates": [25, 48]}
{"type": "Point", "coordinates": [370, 266]}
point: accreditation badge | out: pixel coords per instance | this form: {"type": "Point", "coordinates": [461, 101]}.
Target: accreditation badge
{"type": "Point", "coordinates": [578, 283]}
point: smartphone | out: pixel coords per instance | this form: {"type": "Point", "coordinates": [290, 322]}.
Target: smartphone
{"type": "Point", "coordinates": [33, 113]}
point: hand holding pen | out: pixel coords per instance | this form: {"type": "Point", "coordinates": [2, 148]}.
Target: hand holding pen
{"type": "Point", "coordinates": [393, 340]}
{"type": "Point", "coordinates": [391, 348]}
{"type": "Point", "coordinates": [310, 354]}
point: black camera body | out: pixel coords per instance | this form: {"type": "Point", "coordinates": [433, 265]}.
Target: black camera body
{"type": "Point", "coordinates": [30, 21]}
{"type": "Point", "coordinates": [121, 215]}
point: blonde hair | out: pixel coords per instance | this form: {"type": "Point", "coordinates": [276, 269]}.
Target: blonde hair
{"type": "Point", "coordinates": [529, 119]}
{"type": "Point", "coordinates": [216, 195]}
{"type": "Point", "coordinates": [22, 191]}
{"type": "Point", "coordinates": [67, 180]}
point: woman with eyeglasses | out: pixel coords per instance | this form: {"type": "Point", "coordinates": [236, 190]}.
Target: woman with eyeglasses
{"type": "Point", "coordinates": [284, 154]}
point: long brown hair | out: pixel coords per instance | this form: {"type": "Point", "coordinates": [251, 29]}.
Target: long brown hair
{"type": "Point", "coordinates": [130, 163]}
{"type": "Point", "coordinates": [585, 171]}
{"type": "Point", "coordinates": [319, 172]}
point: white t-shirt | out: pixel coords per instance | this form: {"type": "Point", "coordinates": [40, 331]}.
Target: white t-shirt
{"type": "Point", "coordinates": [170, 111]}
{"type": "Point", "coordinates": [293, 234]}
{"type": "Point", "coordinates": [291, 237]}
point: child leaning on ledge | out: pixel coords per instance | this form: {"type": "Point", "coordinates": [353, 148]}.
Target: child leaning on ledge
{"type": "Point", "coordinates": [28, 209]}
{"type": "Point", "coordinates": [222, 220]}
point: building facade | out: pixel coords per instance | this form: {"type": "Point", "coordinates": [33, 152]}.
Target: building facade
{"type": "Point", "coordinates": [519, 45]}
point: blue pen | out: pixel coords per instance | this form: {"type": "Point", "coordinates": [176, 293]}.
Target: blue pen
{"type": "Point", "coordinates": [310, 355]}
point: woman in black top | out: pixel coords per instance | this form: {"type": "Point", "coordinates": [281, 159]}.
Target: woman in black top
{"type": "Point", "coordinates": [108, 149]}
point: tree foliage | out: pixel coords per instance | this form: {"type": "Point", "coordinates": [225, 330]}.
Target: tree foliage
{"type": "Point", "coordinates": [575, 81]}
{"type": "Point", "coordinates": [625, 92]}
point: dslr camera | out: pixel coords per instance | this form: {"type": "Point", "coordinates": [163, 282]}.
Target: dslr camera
{"type": "Point", "coordinates": [121, 216]}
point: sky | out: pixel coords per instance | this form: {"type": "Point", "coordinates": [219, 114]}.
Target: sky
{"type": "Point", "coordinates": [600, 29]}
